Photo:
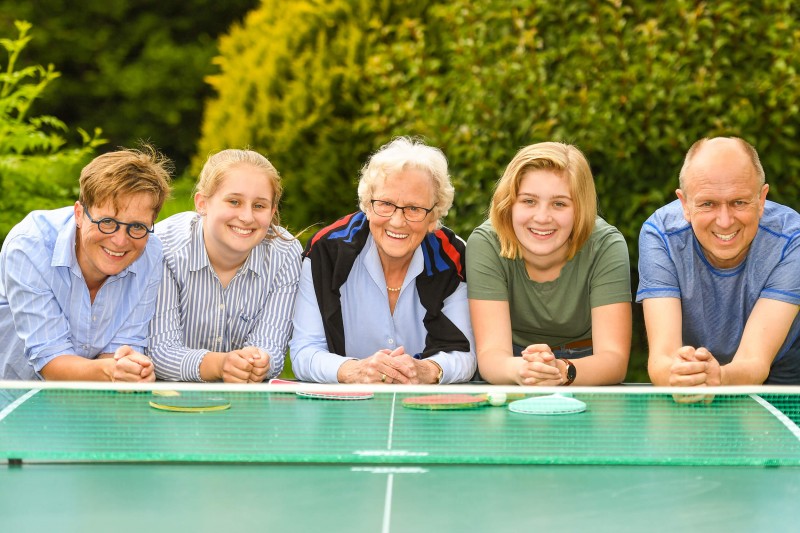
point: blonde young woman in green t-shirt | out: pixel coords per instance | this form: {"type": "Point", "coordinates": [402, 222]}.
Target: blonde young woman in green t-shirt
{"type": "Point", "coordinates": [548, 280]}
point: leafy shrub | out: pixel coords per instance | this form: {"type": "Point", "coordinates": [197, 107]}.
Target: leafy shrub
{"type": "Point", "coordinates": [37, 169]}
{"type": "Point", "coordinates": [319, 86]}
{"type": "Point", "coordinates": [133, 67]}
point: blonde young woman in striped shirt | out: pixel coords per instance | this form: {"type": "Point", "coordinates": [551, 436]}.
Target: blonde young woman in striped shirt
{"type": "Point", "coordinates": [225, 306]}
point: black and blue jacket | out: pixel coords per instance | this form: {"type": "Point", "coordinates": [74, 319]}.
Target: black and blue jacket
{"type": "Point", "coordinates": [333, 251]}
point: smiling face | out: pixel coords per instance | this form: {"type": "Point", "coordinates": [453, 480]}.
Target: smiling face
{"type": "Point", "coordinates": [723, 200]}
{"type": "Point", "coordinates": [396, 238]}
{"type": "Point", "coordinates": [237, 215]}
{"type": "Point", "coordinates": [102, 255]}
{"type": "Point", "coordinates": [543, 216]}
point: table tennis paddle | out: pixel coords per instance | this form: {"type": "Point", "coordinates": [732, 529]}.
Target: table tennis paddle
{"type": "Point", "coordinates": [334, 395]}
{"type": "Point", "coordinates": [279, 381]}
{"type": "Point", "coordinates": [437, 402]}
{"type": "Point", "coordinates": [327, 395]}
{"type": "Point", "coordinates": [552, 404]}
{"type": "Point", "coordinates": [189, 403]}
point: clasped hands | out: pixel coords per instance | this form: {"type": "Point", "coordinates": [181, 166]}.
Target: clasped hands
{"type": "Point", "coordinates": [540, 367]}
{"type": "Point", "coordinates": [694, 367]}
{"type": "Point", "coordinates": [245, 365]}
{"type": "Point", "coordinates": [388, 366]}
{"type": "Point", "coordinates": [128, 365]}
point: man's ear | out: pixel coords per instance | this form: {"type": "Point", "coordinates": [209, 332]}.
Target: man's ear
{"type": "Point", "coordinates": [684, 203]}
{"type": "Point", "coordinates": [78, 214]}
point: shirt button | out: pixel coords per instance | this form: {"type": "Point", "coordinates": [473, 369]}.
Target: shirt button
{"type": "Point", "coordinates": [390, 341]}
{"type": "Point", "coordinates": [221, 307]}
{"type": "Point", "coordinates": [94, 318]}
{"type": "Point", "coordinates": [219, 340]}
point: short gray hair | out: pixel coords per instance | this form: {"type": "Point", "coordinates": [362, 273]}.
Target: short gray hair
{"type": "Point", "coordinates": [405, 153]}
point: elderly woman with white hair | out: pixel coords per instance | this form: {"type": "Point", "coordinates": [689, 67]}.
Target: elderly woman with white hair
{"type": "Point", "coordinates": [382, 295]}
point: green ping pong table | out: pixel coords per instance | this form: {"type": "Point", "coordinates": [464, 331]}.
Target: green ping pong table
{"type": "Point", "coordinates": [80, 460]}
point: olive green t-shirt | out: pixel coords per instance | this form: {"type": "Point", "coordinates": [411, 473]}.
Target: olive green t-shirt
{"type": "Point", "coordinates": [554, 312]}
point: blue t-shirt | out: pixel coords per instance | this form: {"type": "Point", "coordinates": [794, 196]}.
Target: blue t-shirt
{"type": "Point", "coordinates": [716, 303]}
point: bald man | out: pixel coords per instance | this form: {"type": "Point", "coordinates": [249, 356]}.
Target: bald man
{"type": "Point", "coordinates": [719, 275]}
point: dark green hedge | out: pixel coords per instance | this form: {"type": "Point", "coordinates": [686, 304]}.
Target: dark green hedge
{"type": "Point", "coordinates": [133, 68]}
{"type": "Point", "coordinates": [318, 86]}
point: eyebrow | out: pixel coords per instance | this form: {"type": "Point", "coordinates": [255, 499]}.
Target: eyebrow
{"type": "Point", "coordinates": [114, 216]}
{"type": "Point", "coordinates": [240, 195]}
{"type": "Point", "coordinates": [557, 196]}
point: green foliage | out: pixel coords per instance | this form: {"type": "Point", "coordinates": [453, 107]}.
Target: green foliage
{"type": "Point", "coordinates": [633, 84]}
{"type": "Point", "coordinates": [133, 67]}
{"type": "Point", "coordinates": [292, 86]}
{"type": "Point", "coordinates": [37, 169]}
{"type": "Point", "coordinates": [182, 198]}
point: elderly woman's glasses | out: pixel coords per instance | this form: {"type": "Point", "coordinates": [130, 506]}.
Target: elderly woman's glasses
{"type": "Point", "coordinates": [411, 213]}
{"type": "Point", "coordinates": [108, 225]}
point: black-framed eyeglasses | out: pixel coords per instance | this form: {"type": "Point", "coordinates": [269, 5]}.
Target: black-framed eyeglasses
{"type": "Point", "coordinates": [108, 225]}
{"type": "Point", "coordinates": [411, 213]}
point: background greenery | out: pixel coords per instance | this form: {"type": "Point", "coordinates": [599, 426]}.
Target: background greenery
{"type": "Point", "coordinates": [319, 85]}
{"type": "Point", "coordinates": [134, 68]}
{"type": "Point", "coordinates": [37, 168]}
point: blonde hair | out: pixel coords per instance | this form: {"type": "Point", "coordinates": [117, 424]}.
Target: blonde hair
{"type": "Point", "coordinates": [219, 164]}
{"type": "Point", "coordinates": [126, 172]}
{"type": "Point", "coordinates": [563, 159]}
{"type": "Point", "coordinates": [404, 153]}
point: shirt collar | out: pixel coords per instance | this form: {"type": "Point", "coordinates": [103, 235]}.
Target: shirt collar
{"type": "Point", "coordinates": [373, 264]}
{"type": "Point", "coordinates": [64, 249]}
{"type": "Point", "coordinates": [198, 257]}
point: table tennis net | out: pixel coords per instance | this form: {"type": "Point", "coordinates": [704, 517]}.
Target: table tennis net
{"type": "Point", "coordinates": [628, 425]}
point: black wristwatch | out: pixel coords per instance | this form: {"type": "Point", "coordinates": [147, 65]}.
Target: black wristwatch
{"type": "Point", "coordinates": [572, 372]}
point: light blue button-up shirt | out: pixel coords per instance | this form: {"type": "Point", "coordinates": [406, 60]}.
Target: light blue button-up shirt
{"type": "Point", "coordinates": [45, 308]}
{"type": "Point", "coordinates": [369, 324]}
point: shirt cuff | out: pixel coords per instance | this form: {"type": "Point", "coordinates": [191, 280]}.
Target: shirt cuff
{"type": "Point", "coordinates": [325, 366]}
{"type": "Point", "coordinates": [190, 365]}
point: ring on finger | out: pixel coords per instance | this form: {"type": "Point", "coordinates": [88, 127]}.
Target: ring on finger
{"type": "Point", "coordinates": [383, 378]}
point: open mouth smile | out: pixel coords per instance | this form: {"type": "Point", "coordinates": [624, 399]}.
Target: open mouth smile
{"type": "Point", "coordinates": [396, 235]}
{"type": "Point", "coordinates": [113, 253]}
{"type": "Point", "coordinates": [725, 236]}
{"type": "Point", "coordinates": [241, 231]}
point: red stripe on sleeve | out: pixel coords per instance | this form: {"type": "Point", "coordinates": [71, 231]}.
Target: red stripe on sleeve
{"type": "Point", "coordinates": [450, 250]}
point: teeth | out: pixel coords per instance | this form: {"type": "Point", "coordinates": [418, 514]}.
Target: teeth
{"type": "Point", "coordinates": [114, 254]}
{"type": "Point", "coordinates": [396, 235]}
{"type": "Point", "coordinates": [241, 231]}
{"type": "Point", "coordinates": [727, 237]}
{"type": "Point", "coordinates": [542, 233]}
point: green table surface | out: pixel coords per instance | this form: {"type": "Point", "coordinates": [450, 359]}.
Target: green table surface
{"type": "Point", "coordinates": [230, 498]}
{"type": "Point", "coordinates": [56, 425]}
{"type": "Point", "coordinates": [278, 462]}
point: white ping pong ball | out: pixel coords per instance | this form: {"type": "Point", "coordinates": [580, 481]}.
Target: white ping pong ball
{"type": "Point", "coordinates": [497, 398]}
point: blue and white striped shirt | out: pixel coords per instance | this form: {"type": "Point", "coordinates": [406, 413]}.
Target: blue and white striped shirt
{"type": "Point", "coordinates": [196, 315]}
{"type": "Point", "coordinates": [45, 309]}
